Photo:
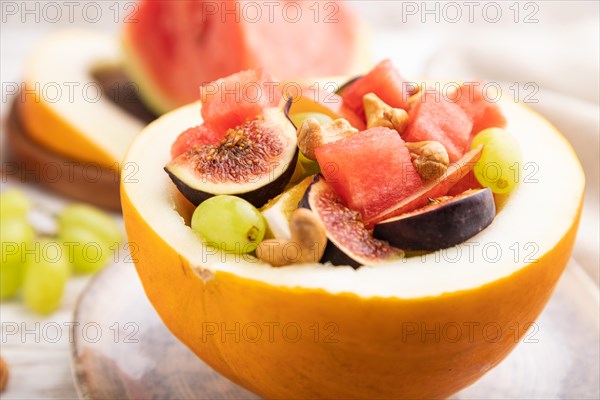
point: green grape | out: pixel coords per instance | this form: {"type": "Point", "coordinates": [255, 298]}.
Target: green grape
{"type": "Point", "coordinates": [16, 235]}
{"type": "Point", "coordinates": [310, 166]}
{"type": "Point", "coordinates": [304, 167]}
{"type": "Point", "coordinates": [298, 118]}
{"type": "Point", "coordinates": [88, 252]}
{"type": "Point", "coordinates": [299, 174]}
{"type": "Point", "coordinates": [229, 223]}
{"type": "Point", "coordinates": [45, 277]}
{"type": "Point", "coordinates": [499, 167]}
{"type": "Point", "coordinates": [91, 218]}
{"type": "Point", "coordinates": [14, 203]}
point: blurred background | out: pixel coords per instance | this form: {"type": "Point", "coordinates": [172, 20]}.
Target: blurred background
{"type": "Point", "coordinates": [543, 53]}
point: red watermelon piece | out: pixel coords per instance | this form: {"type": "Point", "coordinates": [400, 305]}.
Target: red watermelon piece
{"type": "Point", "coordinates": [383, 80]}
{"type": "Point", "coordinates": [434, 117]}
{"type": "Point", "coordinates": [229, 101]}
{"type": "Point", "coordinates": [483, 112]}
{"type": "Point", "coordinates": [201, 135]}
{"type": "Point", "coordinates": [173, 47]}
{"type": "Point", "coordinates": [371, 171]}
{"type": "Point", "coordinates": [336, 104]}
{"type": "Point", "coordinates": [226, 103]}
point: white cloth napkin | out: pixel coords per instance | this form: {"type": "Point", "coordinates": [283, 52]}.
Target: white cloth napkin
{"type": "Point", "coordinates": [558, 55]}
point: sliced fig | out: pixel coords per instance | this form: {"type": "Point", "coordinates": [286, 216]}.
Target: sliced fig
{"type": "Point", "coordinates": [254, 161]}
{"type": "Point", "coordinates": [350, 243]}
{"type": "Point", "coordinates": [436, 188]}
{"type": "Point", "coordinates": [444, 223]}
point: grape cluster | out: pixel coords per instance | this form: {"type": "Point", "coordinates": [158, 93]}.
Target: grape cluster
{"type": "Point", "coordinates": [39, 267]}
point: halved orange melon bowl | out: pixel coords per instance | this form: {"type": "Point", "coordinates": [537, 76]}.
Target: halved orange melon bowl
{"type": "Point", "coordinates": [422, 327]}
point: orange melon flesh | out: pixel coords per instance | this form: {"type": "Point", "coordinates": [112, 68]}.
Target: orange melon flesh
{"type": "Point", "coordinates": [173, 47]}
{"type": "Point", "coordinates": [63, 108]}
{"type": "Point", "coordinates": [367, 333]}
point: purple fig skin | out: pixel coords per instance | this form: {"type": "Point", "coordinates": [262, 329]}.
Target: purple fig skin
{"type": "Point", "coordinates": [335, 256]}
{"type": "Point", "coordinates": [452, 223]}
{"type": "Point", "coordinates": [332, 253]}
{"type": "Point", "coordinates": [257, 197]}
{"type": "Point", "coordinates": [337, 251]}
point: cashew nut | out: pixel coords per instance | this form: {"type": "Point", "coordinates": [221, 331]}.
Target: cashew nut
{"type": "Point", "coordinates": [430, 158]}
{"type": "Point", "coordinates": [312, 135]}
{"type": "Point", "coordinates": [379, 113]}
{"type": "Point", "coordinates": [307, 243]}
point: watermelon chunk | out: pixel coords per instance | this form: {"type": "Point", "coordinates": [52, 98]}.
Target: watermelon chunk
{"type": "Point", "coordinates": [482, 111]}
{"type": "Point", "coordinates": [201, 135]}
{"type": "Point", "coordinates": [437, 188]}
{"type": "Point", "coordinates": [229, 101]}
{"type": "Point", "coordinates": [173, 47]}
{"type": "Point", "coordinates": [371, 171]}
{"type": "Point", "coordinates": [383, 80]}
{"type": "Point", "coordinates": [434, 117]}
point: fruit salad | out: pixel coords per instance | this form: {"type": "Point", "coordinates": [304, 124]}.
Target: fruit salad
{"type": "Point", "coordinates": [383, 169]}
{"type": "Point", "coordinates": [259, 222]}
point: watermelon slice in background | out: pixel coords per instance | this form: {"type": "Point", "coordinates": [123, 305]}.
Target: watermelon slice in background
{"type": "Point", "coordinates": [483, 112]}
{"type": "Point", "coordinates": [435, 117]}
{"type": "Point", "coordinates": [173, 47]}
{"type": "Point", "coordinates": [371, 170]}
{"type": "Point", "coordinates": [383, 80]}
